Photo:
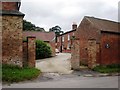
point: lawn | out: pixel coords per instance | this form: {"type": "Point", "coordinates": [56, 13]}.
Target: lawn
{"type": "Point", "coordinates": [108, 69]}
{"type": "Point", "coordinates": [12, 73]}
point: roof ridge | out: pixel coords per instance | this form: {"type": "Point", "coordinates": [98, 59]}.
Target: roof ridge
{"type": "Point", "coordinates": [101, 19]}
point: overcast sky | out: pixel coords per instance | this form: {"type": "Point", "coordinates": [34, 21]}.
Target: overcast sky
{"type": "Point", "coordinates": [48, 13]}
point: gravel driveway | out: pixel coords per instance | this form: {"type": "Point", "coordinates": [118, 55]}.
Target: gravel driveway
{"type": "Point", "coordinates": [58, 64]}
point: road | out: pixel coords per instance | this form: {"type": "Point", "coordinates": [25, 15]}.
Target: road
{"type": "Point", "coordinates": [70, 82]}
{"type": "Point", "coordinates": [57, 73]}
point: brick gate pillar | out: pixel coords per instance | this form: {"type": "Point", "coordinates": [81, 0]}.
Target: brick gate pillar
{"type": "Point", "coordinates": [75, 55]}
{"type": "Point", "coordinates": [31, 51]}
{"type": "Point", "coordinates": [92, 53]}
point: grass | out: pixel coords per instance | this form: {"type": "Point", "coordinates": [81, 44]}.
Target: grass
{"type": "Point", "coordinates": [108, 69]}
{"type": "Point", "coordinates": [12, 73]}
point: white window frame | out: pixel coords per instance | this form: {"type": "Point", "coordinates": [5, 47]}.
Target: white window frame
{"type": "Point", "coordinates": [68, 37]}
{"type": "Point", "coordinates": [73, 34]}
{"type": "Point", "coordinates": [57, 39]}
{"type": "Point", "coordinates": [68, 46]}
{"type": "Point", "coordinates": [63, 39]}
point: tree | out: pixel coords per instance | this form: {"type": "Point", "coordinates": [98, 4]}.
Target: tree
{"type": "Point", "coordinates": [56, 29]}
{"type": "Point", "coordinates": [28, 26]}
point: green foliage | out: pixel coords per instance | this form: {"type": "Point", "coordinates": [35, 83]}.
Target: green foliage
{"type": "Point", "coordinates": [43, 50]}
{"type": "Point", "coordinates": [28, 26]}
{"type": "Point", "coordinates": [11, 73]}
{"type": "Point", "coordinates": [57, 30]}
{"type": "Point", "coordinates": [108, 69]}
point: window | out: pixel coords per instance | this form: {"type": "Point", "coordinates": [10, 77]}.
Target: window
{"type": "Point", "coordinates": [73, 34]}
{"type": "Point", "coordinates": [68, 37]}
{"type": "Point", "coordinates": [68, 46]}
{"type": "Point", "coordinates": [58, 39]}
{"type": "Point", "coordinates": [63, 39]}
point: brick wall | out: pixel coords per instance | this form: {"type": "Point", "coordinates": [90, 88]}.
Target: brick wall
{"type": "Point", "coordinates": [0, 39]}
{"type": "Point", "coordinates": [84, 32]}
{"type": "Point", "coordinates": [25, 53]}
{"type": "Point", "coordinates": [52, 45]}
{"type": "Point", "coordinates": [12, 39]}
{"type": "Point", "coordinates": [9, 5]}
{"type": "Point", "coordinates": [66, 44]}
{"type": "Point", "coordinates": [101, 55]}
{"type": "Point", "coordinates": [29, 52]}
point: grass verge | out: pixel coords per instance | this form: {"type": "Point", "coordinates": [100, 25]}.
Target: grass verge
{"type": "Point", "coordinates": [108, 69]}
{"type": "Point", "coordinates": [12, 73]}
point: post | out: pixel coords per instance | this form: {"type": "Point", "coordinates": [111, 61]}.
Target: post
{"type": "Point", "coordinates": [92, 52]}
{"type": "Point", "coordinates": [31, 51]}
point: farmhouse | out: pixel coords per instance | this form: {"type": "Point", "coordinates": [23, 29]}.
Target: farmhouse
{"type": "Point", "coordinates": [97, 43]}
{"type": "Point", "coordinates": [64, 41]}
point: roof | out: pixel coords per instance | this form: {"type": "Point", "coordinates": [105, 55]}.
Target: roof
{"type": "Point", "coordinates": [68, 32]}
{"type": "Point", "coordinates": [44, 36]}
{"type": "Point", "coordinates": [104, 25]}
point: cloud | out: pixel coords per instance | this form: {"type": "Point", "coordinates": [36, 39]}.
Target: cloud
{"type": "Point", "coordinates": [48, 13]}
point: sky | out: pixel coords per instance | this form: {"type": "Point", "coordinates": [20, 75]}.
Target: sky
{"type": "Point", "coordinates": [49, 13]}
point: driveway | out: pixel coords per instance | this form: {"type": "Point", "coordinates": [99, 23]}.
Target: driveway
{"type": "Point", "coordinates": [58, 64]}
{"type": "Point", "coordinates": [57, 73]}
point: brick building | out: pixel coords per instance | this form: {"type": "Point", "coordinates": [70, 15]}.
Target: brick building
{"type": "Point", "coordinates": [64, 41]}
{"type": "Point", "coordinates": [98, 41]}
{"type": "Point", "coordinates": [48, 37]}
{"type": "Point", "coordinates": [12, 25]}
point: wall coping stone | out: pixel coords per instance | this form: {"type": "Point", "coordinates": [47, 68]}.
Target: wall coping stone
{"type": "Point", "coordinates": [12, 13]}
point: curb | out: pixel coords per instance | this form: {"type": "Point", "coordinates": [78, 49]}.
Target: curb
{"type": "Point", "coordinates": [102, 75]}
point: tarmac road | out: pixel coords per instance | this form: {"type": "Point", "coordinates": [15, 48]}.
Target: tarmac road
{"type": "Point", "coordinates": [71, 82]}
{"type": "Point", "coordinates": [57, 74]}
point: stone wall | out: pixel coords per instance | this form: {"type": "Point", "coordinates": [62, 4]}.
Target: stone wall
{"type": "Point", "coordinates": [12, 39]}
{"type": "Point", "coordinates": [75, 57]}
{"type": "Point", "coordinates": [92, 53]}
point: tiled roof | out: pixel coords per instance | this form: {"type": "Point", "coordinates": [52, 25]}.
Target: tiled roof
{"type": "Point", "coordinates": [104, 25]}
{"type": "Point", "coordinates": [44, 36]}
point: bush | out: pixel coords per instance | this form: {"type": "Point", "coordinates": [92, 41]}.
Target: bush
{"type": "Point", "coordinates": [11, 73]}
{"type": "Point", "coordinates": [43, 50]}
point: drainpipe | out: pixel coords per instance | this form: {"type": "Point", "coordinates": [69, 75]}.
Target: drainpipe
{"type": "Point", "coordinates": [61, 45]}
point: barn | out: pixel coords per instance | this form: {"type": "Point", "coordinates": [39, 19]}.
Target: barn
{"type": "Point", "coordinates": [99, 43]}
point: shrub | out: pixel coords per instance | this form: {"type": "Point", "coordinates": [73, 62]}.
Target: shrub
{"type": "Point", "coordinates": [43, 50]}
{"type": "Point", "coordinates": [11, 73]}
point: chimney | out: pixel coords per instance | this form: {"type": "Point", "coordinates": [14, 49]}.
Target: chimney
{"type": "Point", "coordinates": [11, 6]}
{"type": "Point", "coordinates": [74, 26]}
